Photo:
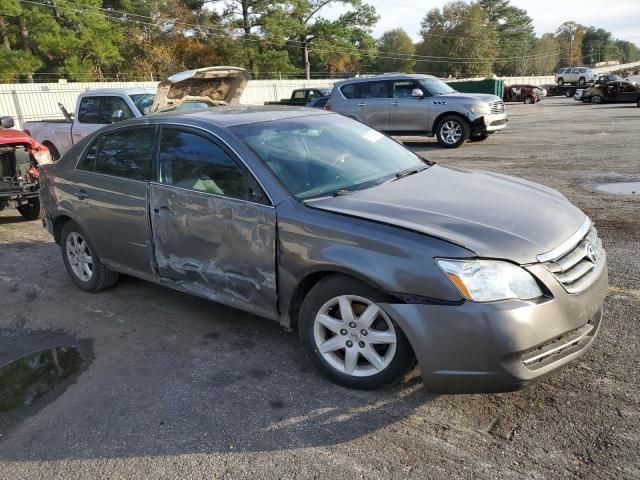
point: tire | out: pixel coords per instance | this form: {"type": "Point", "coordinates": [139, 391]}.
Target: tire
{"type": "Point", "coordinates": [346, 360]}
{"type": "Point", "coordinates": [569, 93]}
{"type": "Point", "coordinates": [596, 99]}
{"type": "Point", "coordinates": [32, 211]}
{"type": "Point", "coordinates": [528, 100]}
{"type": "Point", "coordinates": [96, 275]}
{"type": "Point", "coordinates": [452, 131]}
{"type": "Point", "coordinates": [638, 103]}
{"type": "Point", "coordinates": [479, 137]}
{"type": "Point", "coordinates": [53, 151]}
{"type": "Point", "coordinates": [560, 82]}
{"type": "Point", "coordinates": [582, 81]}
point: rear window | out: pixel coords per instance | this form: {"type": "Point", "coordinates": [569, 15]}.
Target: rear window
{"type": "Point", "coordinates": [99, 109]}
{"type": "Point", "coordinates": [123, 153]}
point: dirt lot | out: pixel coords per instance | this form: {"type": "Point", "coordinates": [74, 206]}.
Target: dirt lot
{"type": "Point", "coordinates": [176, 387]}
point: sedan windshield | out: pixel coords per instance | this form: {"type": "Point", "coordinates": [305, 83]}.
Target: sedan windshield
{"type": "Point", "coordinates": [143, 101]}
{"type": "Point", "coordinates": [435, 86]}
{"type": "Point", "coordinates": [322, 155]}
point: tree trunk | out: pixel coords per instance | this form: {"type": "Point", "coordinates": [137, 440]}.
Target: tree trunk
{"type": "Point", "coordinates": [24, 38]}
{"type": "Point", "coordinates": [4, 34]}
{"type": "Point", "coordinates": [246, 26]}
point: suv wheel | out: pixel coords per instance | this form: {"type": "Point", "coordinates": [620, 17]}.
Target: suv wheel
{"type": "Point", "coordinates": [83, 264]}
{"type": "Point", "coordinates": [31, 211]}
{"type": "Point", "coordinates": [560, 81]}
{"type": "Point", "coordinates": [596, 99]}
{"type": "Point", "coordinates": [349, 337]}
{"type": "Point", "coordinates": [452, 131]}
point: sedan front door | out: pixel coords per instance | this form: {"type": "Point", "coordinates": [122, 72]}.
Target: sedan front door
{"type": "Point", "coordinates": [213, 228]}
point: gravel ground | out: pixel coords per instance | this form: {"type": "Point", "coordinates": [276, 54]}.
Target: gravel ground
{"type": "Point", "coordinates": [173, 386]}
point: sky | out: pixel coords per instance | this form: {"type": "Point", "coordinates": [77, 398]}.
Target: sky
{"type": "Point", "coordinates": [620, 17]}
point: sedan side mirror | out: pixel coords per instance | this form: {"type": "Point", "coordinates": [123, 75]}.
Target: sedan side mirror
{"type": "Point", "coordinates": [7, 122]}
{"type": "Point", "coordinates": [117, 116]}
{"type": "Point", "coordinates": [416, 92]}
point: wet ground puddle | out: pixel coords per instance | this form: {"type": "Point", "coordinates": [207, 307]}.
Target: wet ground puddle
{"type": "Point", "coordinates": [620, 188]}
{"type": "Point", "coordinates": [28, 378]}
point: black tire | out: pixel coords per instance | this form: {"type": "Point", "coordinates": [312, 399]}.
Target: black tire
{"type": "Point", "coordinates": [478, 137]}
{"type": "Point", "coordinates": [569, 93]}
{"type": "Point", "coordinates": [53, 151]}
{"type": "Point", "coordinates": [596, 99]}
{"type": "Point", "coordinates": [32, 211]}
{"type": "Point", "coordinates": [324, 291]}
{"type": "Point", "coordinates": [582, 81]}
{"type": "Point", "coordinates": [560, 82]}
{"type": "Point", "coordinates": [528, 100]}
{"type": "Point", "coordinates": [465, 131]}
{"type": "Point", "coordinates": [638, 103]}
{"type": "Point", "coordinates": [101, 277]}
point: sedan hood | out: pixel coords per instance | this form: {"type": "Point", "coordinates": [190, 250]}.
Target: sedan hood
{"type": "Point", "coordinates": [215, 86]}
{"type": "Point", "coordinates": [493, 215]}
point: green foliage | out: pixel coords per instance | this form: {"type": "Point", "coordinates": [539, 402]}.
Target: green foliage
{"type": "Point", "coordinates": [396, 50]}
{"type": "Point", "coordinates": [460, 40]}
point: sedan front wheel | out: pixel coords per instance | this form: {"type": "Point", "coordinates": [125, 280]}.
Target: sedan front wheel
{"type": "Point", "coordinates": [346, 333]}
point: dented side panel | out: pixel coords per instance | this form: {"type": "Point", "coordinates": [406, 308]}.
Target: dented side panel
{"type": "Point", "coordinates": [215, 247]}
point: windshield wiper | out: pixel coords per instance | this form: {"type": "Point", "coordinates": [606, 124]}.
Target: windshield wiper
{"type": "Point", "coordinates": [407, 172]}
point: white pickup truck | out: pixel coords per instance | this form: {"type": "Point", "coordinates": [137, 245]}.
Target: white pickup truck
{"type": "Point", "coordinates": [200, 88]}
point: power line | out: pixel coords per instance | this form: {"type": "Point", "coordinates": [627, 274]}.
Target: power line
{"type": "Point", "coordinates": [213, 31]}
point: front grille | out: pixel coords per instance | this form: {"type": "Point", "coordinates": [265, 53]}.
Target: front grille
{"type": "Point", "coordinates": [496, 107]}
{"type": "Point", "coordinates": [578, 268]}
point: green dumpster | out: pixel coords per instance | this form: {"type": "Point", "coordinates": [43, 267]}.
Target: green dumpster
{"type": "Point", "coordinates": [494, 87]}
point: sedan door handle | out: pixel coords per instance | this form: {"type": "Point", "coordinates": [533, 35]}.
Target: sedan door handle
{"type": "Point", "coordinates": [163, 212]}
{"type": "Point", "coordinates": [361, 104]}
{"type": "Point", "coordinates": [81, 194]}
{"type": "Point", "coordinates": [395, 104]}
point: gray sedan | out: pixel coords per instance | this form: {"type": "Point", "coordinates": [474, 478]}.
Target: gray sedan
{"type": "Point", "coordinates": [377, 257]}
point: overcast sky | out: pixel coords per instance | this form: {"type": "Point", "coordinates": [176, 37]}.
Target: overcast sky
{"type": "Point", "coordinates": [620, 17]}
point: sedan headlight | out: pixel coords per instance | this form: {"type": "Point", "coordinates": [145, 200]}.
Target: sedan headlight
{"type": "Point", "coordinates": [479, 108]}
{"type": "Point", "coordinates": [490, 280]}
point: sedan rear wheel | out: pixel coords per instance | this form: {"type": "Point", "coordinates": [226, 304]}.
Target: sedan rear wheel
{"type": "Point", "coordinates": [83, 263]}
{"type": "Point", "coordinates": [346, 333]}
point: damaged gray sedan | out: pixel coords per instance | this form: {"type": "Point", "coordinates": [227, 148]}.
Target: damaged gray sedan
{"type": "Point", "coordinates": [377, 257]}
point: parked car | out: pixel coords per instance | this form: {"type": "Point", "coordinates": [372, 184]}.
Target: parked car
{"type": "Point", "coordinates": [578, 95]}
{"type": "Point", "coordinates": [419, 105]}
{"type": "Point", "coordinates": [193, 89]}
{"type": "Point", "coordinates": [302, 96]}
{"type": "Point", "coordinates": [324, 224]}
{"type": "Point", "coordinates": [607, 78]}
{"type": "Point", "coordinates": [613, 92]}
{"type": "Point", "coordinates": [528, 94]}
{"type": "Point", "coordinates": [318, 102]}
{"type": "Point", "coordinates": [575, 75]}
{"type": "Point", "coordinates": [20, 160]}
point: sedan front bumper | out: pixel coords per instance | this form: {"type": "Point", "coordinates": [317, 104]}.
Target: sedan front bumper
{"type": "Point", "coordinates": [501, 346]}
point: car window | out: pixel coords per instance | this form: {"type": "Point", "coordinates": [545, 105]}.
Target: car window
{"type": "Point", "coordinates": [351, 90]}
{"type": "Point", "coordinates": [89, 160]}
{"type": "Point", "coordinates": [143, 101]}
{"type": "Point", "coordinates": [582, 70]}
{"type": "Point", "coordinates": [193, 162]}
{"type": "Point", "coordinates": [575, 70]}
{"type": "Point", "coordinates": [99, 110]}
{"type": "Point", "coordinates": [299, 94]}
{"type": "Point", "coordinates": [374, 90]}
{"type": "Point", "coordinates": [125, 153]}
{"type": "Point", "coordinates": [403, 88]}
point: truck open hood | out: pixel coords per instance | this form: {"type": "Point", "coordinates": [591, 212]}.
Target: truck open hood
{"type": "Point", "coordinates": [214, 86]}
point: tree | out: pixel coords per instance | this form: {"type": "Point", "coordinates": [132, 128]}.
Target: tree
{"type": "Point", "coordinates": [396, 50]}
{"type": "Point", "coordinates": [460, 41]}
{"type": "Point", "coordinates": [629, 52]}
{"type": "Point", "coordinates": [516, 37]}
{"type": "Point", "coordinates": [598, 46]}
{"type": "Point", "coordinates": [569, 36]}
{"type": "Point", "coordinates": [545, 56]}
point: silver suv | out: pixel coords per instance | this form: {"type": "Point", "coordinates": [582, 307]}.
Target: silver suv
{"type": "Point", "coordinates": [403, 104]}
{"type": "Point", "coordinates": [579, 75]}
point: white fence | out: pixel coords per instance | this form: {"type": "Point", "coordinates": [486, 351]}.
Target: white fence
{"type": "Point", "coordinates": [39, 101]}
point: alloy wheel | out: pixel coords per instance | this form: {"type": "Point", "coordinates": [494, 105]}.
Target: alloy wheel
{"type": "Point", "coordinates": [355, 336]}
{"type": "Point", "coordinates": [79, 256]}
{"type": "Point", "coordinates": [451, 132]}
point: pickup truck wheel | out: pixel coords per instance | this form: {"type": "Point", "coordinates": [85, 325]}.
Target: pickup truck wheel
{"type": "Point", "coordinates": [452, 131]}
{"type": "Point", "coordinates": [83, 263]}
{"type": "Point", "coordinates": [350, 338]}
{"type": "Point", "coordinates": [560, 82]}
{"type": "Point", "coordinates": [596, 99]}
{"type": "Point", "coordinates": [32, 211]}
{"type": "Point", "coordinates": [53, 151]}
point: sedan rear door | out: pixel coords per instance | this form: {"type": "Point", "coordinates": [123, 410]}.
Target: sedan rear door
{"type": "Point", "coordinates": [213, 228]}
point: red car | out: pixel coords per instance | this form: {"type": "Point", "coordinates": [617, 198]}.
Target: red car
{"type": "Point", "coordinates": [20, 159]}
{"type": "Point", "coordinates": [521, 93]}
